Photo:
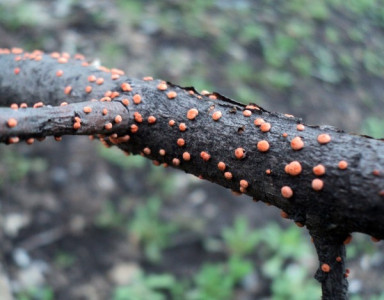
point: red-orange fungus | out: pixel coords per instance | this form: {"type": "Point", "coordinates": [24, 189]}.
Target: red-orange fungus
{"type": "Point", "coordinates": [172, 95]}
{"type": "Point", "coordinates": [221, 166]}
{"type": "Point", "coordinates": [216, 115]}
{"type": "Point", "coordinates": [318, 170]}
{"type": "Point", "coordinates": [147, 78]}
{"type": "Point", "coordinates": [285, 134]}
{"type": "Point", "coordinates": [205, 156]}
{"type": "Point", "coordinates": [63, 103]}
{"type": "Point", "coordinates": [147, 151]}
{"type": "Point", "coordinates": [87, 109]}
{"type": "Point", "coordinates": [171, 123]}
{"type": "Point", "coordinates": [40, 104]}
{"type": "Point", "coordinates": [115, 94]}
{"type": "Point", "coordinates": [62, 60]}
{"type": "Point", "coordinates": [265, 127]}
{"type": "Point", "coordinates": [192, 113]}
{"type": "Point", "coordinates": [325, 268]}
{"type": "Point", "coordinates": [76, 125]}
{"type": "Point", "coordinates": [324, 138]}
{"type": "Point", "coordinates": [13, 140]}
{"type": "Point", "coordinates": [283, 214]}
{"type": "Point", "coordinates": [136, 99]}
{"type": "Point", "coordinates": [23, 105]}
{"type": "Point", "coordinates": [100, 81]}
{"type": "Point", "coordinates": [125, 101]}
{"type": "Point", "coordinates": [151, 119]}
{"type": "Point", "coordinates": [240, 153]}
{"type": "Point", "coordinates": [186, 156]}
{"type": "Point", "coordinates": [58, 138]}
{"type": "Point", "coordinates": [286, 192]}
{"type": "Point", "coordinates": [108, 126]}
{"type": "Point", "coordinates": [118, 119]}
{"type": "Point", "coordinates": [228, 175]}
{"type": "Point", "coordinates": [294, 168]}
{"type": "Point", "coordinates": [67, 90]}
{"type": "Point", "coordinates": [180, 142]}
{"type": "Point", "coordinates": [126, 87]}
{"type": "Point", "coordinates": [88, 89]}
{"type": "Point", "coordinates": [176, 162]}
{"type": "Point", "coordinates": [247, 113]}
{"type": "Point", "coordinates": [300, 127]}
{"type": "Point", "coordinates": [258, 121]}
{"type": "Point", "coordinates": [162, 152]}
{"type": "Point", "coordinates": [134, 128]}
{"type": "Point", "coordinates": [348, 240]}
{"type": "Point", "coordinates": [298, 224]}
{"type": "Point", "coordinates": [244, 183]}
{"type": "Point", "coordinates": [104, 111]}
{"type": "Point", "coordinates": [342, 165]}
{"type": "Point", "coordinates": [317, 184]}
{"type": "Point", "coordinates": [11, 122]}
{"type": "Point", "coordinates": [182, 127]}
{"type": "Point", "coordinates": [213, 97]}
{"type": "Point", "coordinates": [297, 143]}
{"type": "Point", "coordinates": [115, 76]}
{"type": "Point", "coordinates": [138, 117]}
{"type": "Point", "coordinates": [374, 239]}
{"type": "Point", "coordinates": [30, 141]}
{"type": "Point", "coordinates": [14, 106]}
{"type": "Point", "coordinates": [16, 71]}
{"type": "Point", "coordinates": [263, 146]}
{"type": "Point", "coordinates": [374, 172]}
{"type": "Point", "coordinates": [162, 86]}
{"type": "Point", "coordinates": [338, 259]}
{"type": "Point", "coordinates": [92, 78]}
{"type": "Point", "coordinates": [268, 171]}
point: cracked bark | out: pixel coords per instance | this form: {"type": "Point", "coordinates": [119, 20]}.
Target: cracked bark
{"type": "Point", "coordinates": [351, 200]}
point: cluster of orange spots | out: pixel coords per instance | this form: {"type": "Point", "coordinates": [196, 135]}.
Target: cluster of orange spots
{"type": "Point", "coordinates": [138, 117]}
{"type": "Point", "coordinates": [180, 142]}
{"type": "Point", "coordinates": [258, 121]}
{"type": "Point", "coordinates": [126, 87]}
{"type": "Point", "coordinates": [318, 170]}
{"type": "Point", "coordinates": [297, 143]}
{"type": "Point", "coordinates": [283, 214]}
{"type": "Point", "coordinates": [147, 78]}
{"type": "Point", "coordinates": [171, 95]}
{"type": "Point", "coordinates": [317, 184]}
{"type": "Point", "coordinates": [342, 165]}
{"type": "Point", "coordinates": [325, 268]}
{"type": "Point", "coordinates": [176, 162]}
{"type": "Point", "coordinates": [221, 166]}
{"type": "Point", "coordinates": [228, 175]}
{"type": "Point", "coordinates": [162, 86]}
{"type": "Point", "coordinates": [263, 146]}
{"type": "Point", "coordinates": [300, 127]}
{"type": "Point", "coordinates": [216, 115]}
{"type": "Point", "coordinates": [186, 156]}
{"type": "Point", "coordinates": [134, 128]}
{"type": "Point", "coordinates": [147, 151]}
{"type": "Point", "coordinates": [293, 168]}
{"type": "Point", "coordinates": [136, 99]}
{"type": "Point", "coordinates": [67, 90]}
{"type": "Point", "coordinates": [347, 240]}
{"type": "Point", "coordinates": [182, 127]}
{"type": "Point", "coordinates": [100, 81]}
{"type": "Point", "coordinates": [77, 123]}
{"type": "Point", "coordinates": [151, 120]}
{"type": "Point", "coordinates": [171, 123]}
{"type": "Point", "coordinates": [324, 138]}
{"type": "Point", "coordinates": [192, 114]}
{"type": "Point", "coordinates": [286, 192]}
{"type": "Point", "coordinates": [247, 113]}
{"type": "Point", "coordinates": [11, 122]}
{"type": "Point", "coordinates": [205, 156]}
{"type": "Point", "coordinates": [265, 127]}
{"type": "Point", "coordinates": [87, 109]}
{"type": "Point", "coordinates": [239, 153]}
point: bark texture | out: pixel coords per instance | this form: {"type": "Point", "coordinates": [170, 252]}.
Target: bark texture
{"type": "Point", "coordinates": [209, 136]}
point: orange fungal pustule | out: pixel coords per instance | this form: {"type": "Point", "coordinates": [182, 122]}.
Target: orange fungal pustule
{"type": "Point", "coordinates": [221, 166]}
{"type": "Point", "coordinates": [258, 121]}
{"type": "Point", "coordinates": [317, 184]}
{"type": "Point", "coordinates": [247, 113]}
{"type": "Point", "coordinates": [12, 122]}
{"type": "Point", "coordinates": [342, 165]}
{"type": "Point", "coordinates": [265, 127]}
{"type": "Point", "coordinates": [323, 138]}
{"type": "Point", "coordinates": [300, 127]}
{"type": "Point", "coordinates": [136, 99]}
{"type": "Point", "coordinates": [293, 168]}
{"type": "Point", "coordinates": [297, 143]}
{"type": "Point", "coordinates": [192, 113]}
{"type": "Point", "coordinates": [182, 127]}
{"type": "Point", "coordinates": [286, 192]}
{"type": "Point", "coordinates": [216, 115]}
{"type": "Point", "coordinates": [171, 95]}
{"type": "Point", "coordinates": [239, 153]}
{"type": "Point", "coordinates": [176, 162]}
{"type": "Point", "coordinates": [347, 240]}
{"type": "Point", "coordinates": [205, 156]}
{"type": "Point", "coordinates": [162, 86]}
{"type": "Point", "coordinates": [325, 268]}
{"type": "Point", "coordinates": [180, 142]}
{"type": "Point", "coordinates": [186, 156]}
{"type": "Point", "coordinates": [228, 175]}
{"type": "Point", "coordinates": [319, 170]}
{"type": "Point", "coordinates": [243, 183]}
{"type": "Point", "coordinates": [151, 119]}
{"type": "Point", "coordinates": [263, 146]}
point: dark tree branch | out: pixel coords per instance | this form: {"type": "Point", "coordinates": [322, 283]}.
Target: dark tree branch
{"type": "Point", "coordinates": [212, 137]}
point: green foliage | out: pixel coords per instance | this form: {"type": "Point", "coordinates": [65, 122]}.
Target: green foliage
{"type": "Point", "coordinates": [36, 293]}
{"type": "Point", "coordinates": [64, 259]}
{"type": "Point", "coordinates": [116, 157]}
{"type": "Point", "coordinates": [148, 230]}
{"type": "Point", "coordinates": [374, 127]}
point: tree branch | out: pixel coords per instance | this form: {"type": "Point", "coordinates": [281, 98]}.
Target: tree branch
{"type": "Point", "coordinates": [320, 177]}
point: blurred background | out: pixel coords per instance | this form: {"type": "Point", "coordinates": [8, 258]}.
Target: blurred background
{"type": "Point", "coordinates": [78, 221]}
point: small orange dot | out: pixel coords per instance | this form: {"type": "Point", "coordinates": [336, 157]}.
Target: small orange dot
{"type": "Point", "coordinates": [240, 153]}
{"type": "Point", "coordinates": [58, 138]}
{"type": "Point", "coordinates": [92, 78]}
{"type": "Point", "coordinates": [147, 78]}
{"type": "Point", "coordinates": [138, 117]}
{"type": "Point", "coordinates": [14, 106]}
{"type": "Point", "coordinates": [258, 121]}
{"type": "Point", "coordinates": [134, 128]}
{"type": "Point", "coordinates": [265, 127]}
{"type": "Point", "coordinates": [176, 162]}
{"type": "Point", "coordinates": [115, 76]}
{"type": "Point", "coordinates": [41, 104]}
{"type": "Point", "coordinates": [192, 113]}
{"type": "Point", "coordinates": [67, 90]}
{"type": "Point", "coordinates": [115, 94]}
{"type": "Point", "coordinates": [205, 156]}
{"type": "Point", "coordinates": [317, 184]}
{"type": "Point", "coordinates": [126, 87]}
{"type": "Point", "coordinates": [62, 104]}
{"type": "Point", "coordinates": [299, 224]}
{"type": "Point", "coordinates": [87, 109]}
{"type": "Point", "coordinates": [172, 95]}
{"type": "Point", "coordinates": [162, 152]}
{"type": "Point", "coordinates": [182, 127]}
{"type": "Point", "coordinates": [104, 111]}
{"type": "Point", "coordinates": [221, 166]}
{"type": "Point", "coordinates": [374, 239]}
{"type": "Point", "coordinates": [62, 60]}
{"type": "Point", "coordinates": [180, 142]}
{"type": "Point", "coordinates": [216, 115]}
{"type": "Point", "coordinates": [108, 126]}
{"type": "Point", "coordinates": [293, 168]}
{"type": "Point", "coordinates": [325, 268]}
{"type": "Point", "coordinates": [342, 165]}
{"type": "Point", "coordinates": [286, 192]}
{"type": "Point", "coordinates": [151, 119]}
{"type": "Point", "coordinates": [171, 122]}
{"type": "Point", "coordinates": [324, 138]}
{"type": "Point", "coordinates": [162, 86]}
{"type": "Point", "coordinates": [76, 125]}
{"type": "Point", "coordinates": [297, 143]}
{"type": "Point", "coordinates": [228, 175]}
{"type": "Point", "coordinates": [11, 122]}
{"type": "Point", "coordinates": [338, 259]}
{"type": "Point", "coordinates": [247, 113]}
{"type": "Point", "coordinates": [88, 89]}
{"type": "Point", "coordinates": [59, 73]}
{"type": "Point", "coordinates": [118, 119]}
{"type": "Point", "coordinates": [263, 146]}
{"type": "Point", "coordinates": [30, 141]}
{"type": "Point", "coordinates": [100, 81]}
{"type": "Point", "coordinates": [136, 98]}
{"type": "Point", "coordinates": [300, 127]}
{"type": "Point", "coordinates": [125, 101]}
{"type": "Point", "coordinates": [186, 156]}
{"type": "Point", "coordinates": [347, 240]}
{"type": "Point", "coordinates": [285, 134]}
{"type": "Point", "coordinates": [318, 170]}
{"type": "Point", "coordinates": [283, 214]}
{"type": "Point", "coordinates": [268, 171]}
{"type": "Point", "coordinates": [147, 151]}
{"type": "Point", "coordinates": [244, 183]}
